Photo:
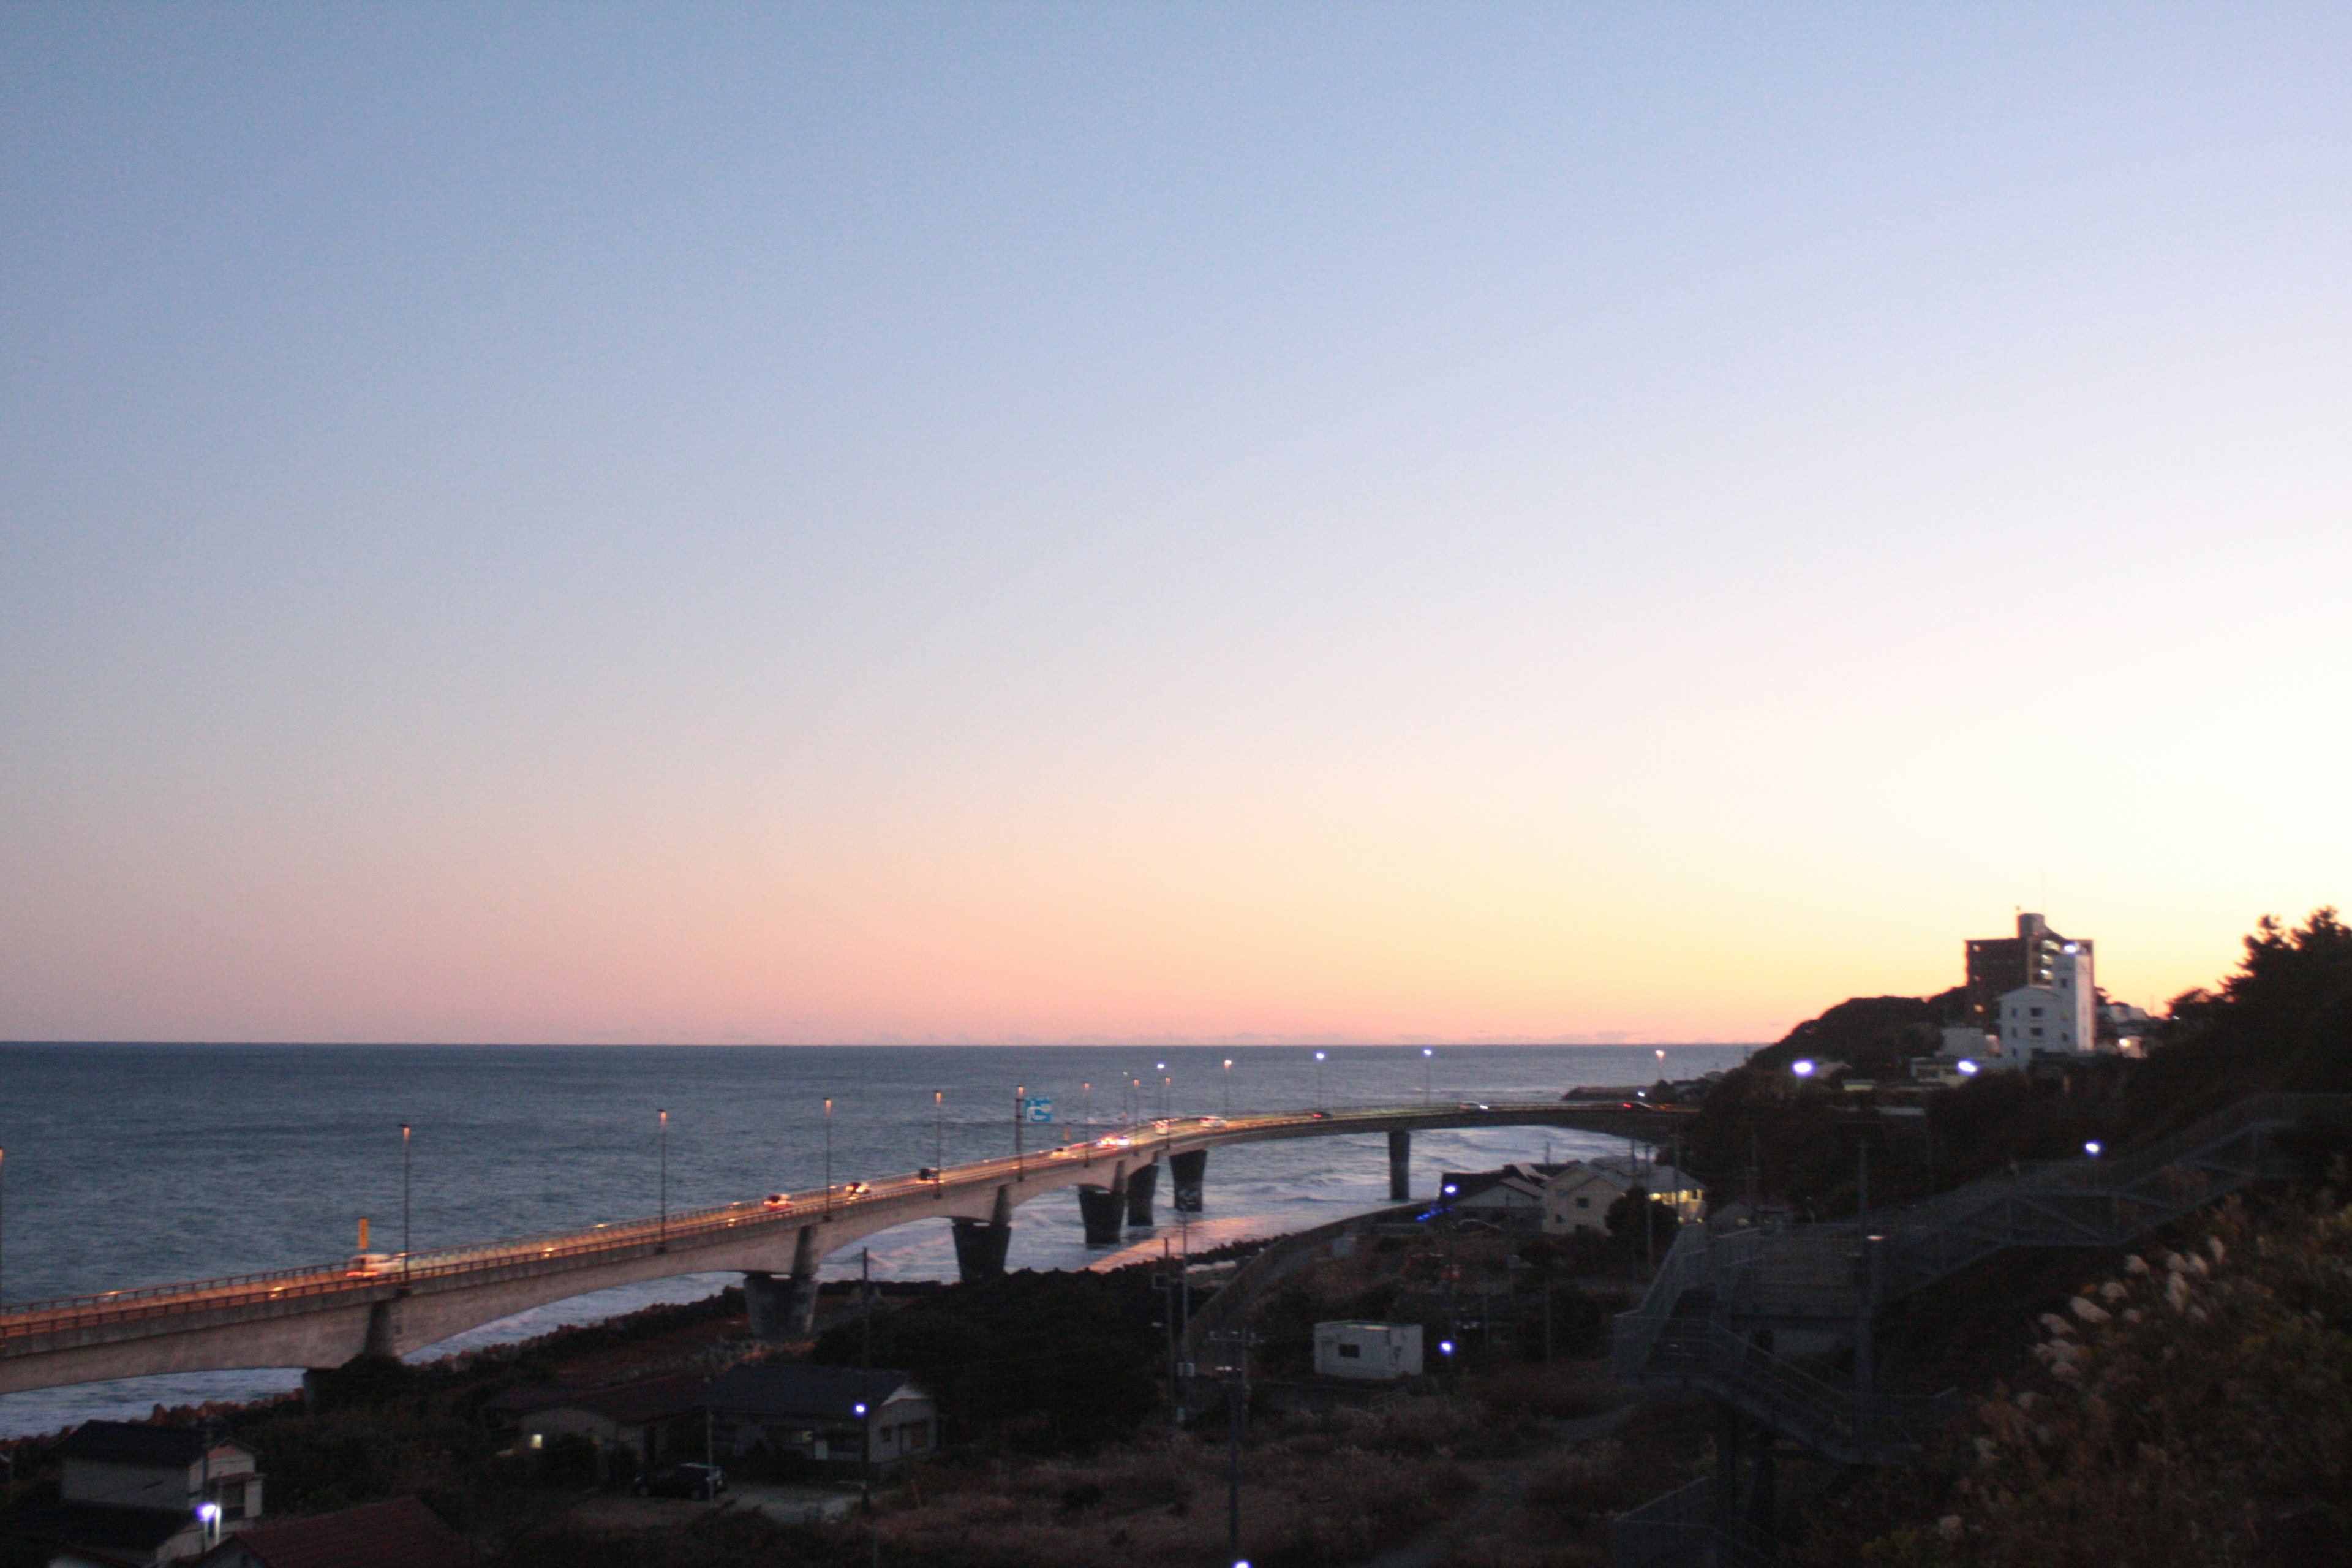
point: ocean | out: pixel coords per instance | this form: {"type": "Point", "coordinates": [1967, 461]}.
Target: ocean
{"type": "Point", "coordinates": [141, 1164]}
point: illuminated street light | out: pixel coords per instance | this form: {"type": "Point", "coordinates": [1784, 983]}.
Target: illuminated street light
{"type": "Point", "coordinates": [1969, 1068]}
{"type": "Point", "coordinates": [1229, 1086]}
{"type": "Point", "coordinates": [2092, 1148]}
{"type": "Point", "coordinates": [1426, 1053]}
{"type": "Point", "coordinates": [1803, 1067]}
{"type": "Point", "coordinates": [1318, 1079]}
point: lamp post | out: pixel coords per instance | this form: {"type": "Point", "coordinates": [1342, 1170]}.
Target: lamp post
{"type": "Point", "coordinates": [406, 1250]}
{"type": "Point", "coordinates": [1167, 1094]}
{"type": "Point", "coordinates": [1162, 1068]}
{"type": "Point", "coordinates": [828, 1159]}
{"type": "Point", "coordinates": [1229, 1086]}
{"type": "Point", "coordinates": [1018, 1096]}
{"type": "Point", "coordinates": [664, 1242]}
{"type": "Point", "coordinates": [1134, 1101]}
{"type": "Point", "coordinates": [939, 1136]}
{"type": "Point", "coordinates": [3, 1231]}
{"type": "Point", "coordinates": [1318, 1082]}
{"type": "Point", "coordinates": [1426, 1054]}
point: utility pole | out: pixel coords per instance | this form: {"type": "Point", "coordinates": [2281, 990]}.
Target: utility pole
{"type": "Point", "coordinates": [1168, 1310]}
{"type": "Point", "coordinates": [828, 1159]}
{"type": "Point", "coordinates": [1018, 1096]}
{"type": "Point", "coordinates": [1237, 1403]}
{"type": "Point", "coordinates": [664, 1182]}
{"type": "Point", "coordinates": [938, 1136]}
{"type": "Point", "coordinates": [405, 1248]}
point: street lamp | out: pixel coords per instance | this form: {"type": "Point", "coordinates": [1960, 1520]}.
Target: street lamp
{"type": "Point", "coordinates": [1018, 1096]}
{"type": "Point", "coordinates": [2093, 1148]}
{"type": "Point", "coordinates": [939, 1136]}
{"type": "Point", "coordinates": [828, 1159]}
{"type": "Point", "coordinates": [1229, 1086]}
{"type": "Point", "coordinates": [1426, 1053]}
{"type": "Point", "coordinates": [1803, 1067]}
{"type": "Point", "coordinates": [663, 1242]}
{"type": "Point", "coordinates": [405, 1248]}
{"type": "Point", "coordinates": [1318, 1080]}
{"type": "Point", "coordinates": [1167, 1090]}
{"type": "Point", "coordinates": [207, 1513]}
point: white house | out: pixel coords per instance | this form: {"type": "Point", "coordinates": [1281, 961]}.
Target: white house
{"type": "Point", "coordinates": [2047, 1018]}
{"type": "Point", "coordinates": [1577, 1198]}
{"type": "Point", "coordinates": [133, 1494]}
{"type": "Point", "coordinates": [833, 1416]}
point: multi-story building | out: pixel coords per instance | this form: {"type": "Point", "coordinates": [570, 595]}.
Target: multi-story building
{"type": "Point", "coordinates": [2038, 991]}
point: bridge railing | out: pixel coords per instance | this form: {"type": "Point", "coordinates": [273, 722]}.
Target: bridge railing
{"type": "Point", "coordinates": [24, 1318]}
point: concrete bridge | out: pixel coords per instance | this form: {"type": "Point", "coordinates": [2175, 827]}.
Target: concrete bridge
{"type": "Point", "coordinates": [324, 1316]}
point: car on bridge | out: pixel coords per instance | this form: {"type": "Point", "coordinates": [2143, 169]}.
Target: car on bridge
{"type": "Point", "coordinates": [368, 1263]}
{"type": "Point", "coordinates": [778, 1201]}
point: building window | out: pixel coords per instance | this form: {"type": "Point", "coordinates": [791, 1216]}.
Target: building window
{"type": "Point", "coordinates": [1351, 1351]}
{"type": "Point", "coordinates": [1584, 1203]}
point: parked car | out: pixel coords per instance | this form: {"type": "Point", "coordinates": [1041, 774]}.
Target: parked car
{"type": "Point", "coordinates": [857, 1189]}
{"type": "Point", "coordinates": [779, 1200]}
{"type": "Point", "coordinates": [703, 1483]}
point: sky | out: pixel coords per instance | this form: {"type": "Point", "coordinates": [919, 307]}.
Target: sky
{"type": "Point", "coordinates": [1033, 522]}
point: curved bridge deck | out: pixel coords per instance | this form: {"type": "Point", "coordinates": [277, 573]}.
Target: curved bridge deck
{"type": "Point", "coordinates": [323, 1316]}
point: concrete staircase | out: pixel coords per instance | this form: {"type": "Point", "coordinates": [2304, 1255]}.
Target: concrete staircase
{"type": "Point", "coordinates": [1717, 1304]}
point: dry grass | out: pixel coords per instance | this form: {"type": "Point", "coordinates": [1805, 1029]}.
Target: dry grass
{"type": "Point", "coordinates": [1309, 1497]}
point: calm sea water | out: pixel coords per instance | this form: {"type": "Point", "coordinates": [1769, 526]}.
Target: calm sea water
{"type": "Point", "coordinates": [143, 1164]}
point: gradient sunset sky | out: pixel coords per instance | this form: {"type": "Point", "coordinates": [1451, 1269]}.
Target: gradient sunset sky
{"type": "Point", "coordinates": [796, 523]}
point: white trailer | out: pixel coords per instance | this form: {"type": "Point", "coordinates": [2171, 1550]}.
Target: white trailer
{"type": "Point", "coordinates": [1368, 1353]}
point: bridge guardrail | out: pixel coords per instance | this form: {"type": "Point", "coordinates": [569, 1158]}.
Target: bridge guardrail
{"type": "Point", "coordinates": [227, 1291]}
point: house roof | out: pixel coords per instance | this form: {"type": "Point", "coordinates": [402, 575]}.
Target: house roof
{"type": "Point", "coordinates": [525, 1397]}
{"type": "Point", "coordinates": [1622, 1172]}
{"type": "Point", "coordinates": [828, 1393]}
{"type": "Point", "coordinates": [135, 1443]}
{"type": "Point", "coordinates": [655, 1399]}
{"type": "Point", "coordinates": [401, 1533]}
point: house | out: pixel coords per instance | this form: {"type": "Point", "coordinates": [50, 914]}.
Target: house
{"type": "Point", "coordinates": [1579, 1196]}
{"type": "Point", "coordinates": [1512, 1195]}
{"type": "Point", "coordinates": [651, 1418]}
{"type": "Point", "coordinates": [838, 1417]}
{"type": "Point", "coordinates": [1369, 1351]}
{"type": "Point", "coordinates": [401, 1533]}
{"type": "Point", "coordinates": [135, 1496]}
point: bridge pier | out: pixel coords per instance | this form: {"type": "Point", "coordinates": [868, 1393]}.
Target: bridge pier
{"type": "Point", "coordinates": [1141, 1181]}
{"type": "Point", "coordinates": [768, 1305]}
{"type": "Point", "coordinates": [1186, 1175]}
{"type": "Point", "coordinates": [1099, 1210]}
{"type": "Point", "coordinates": [1399, 1167]}
{"type": "Point", "coordinates": [981, 1245]}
